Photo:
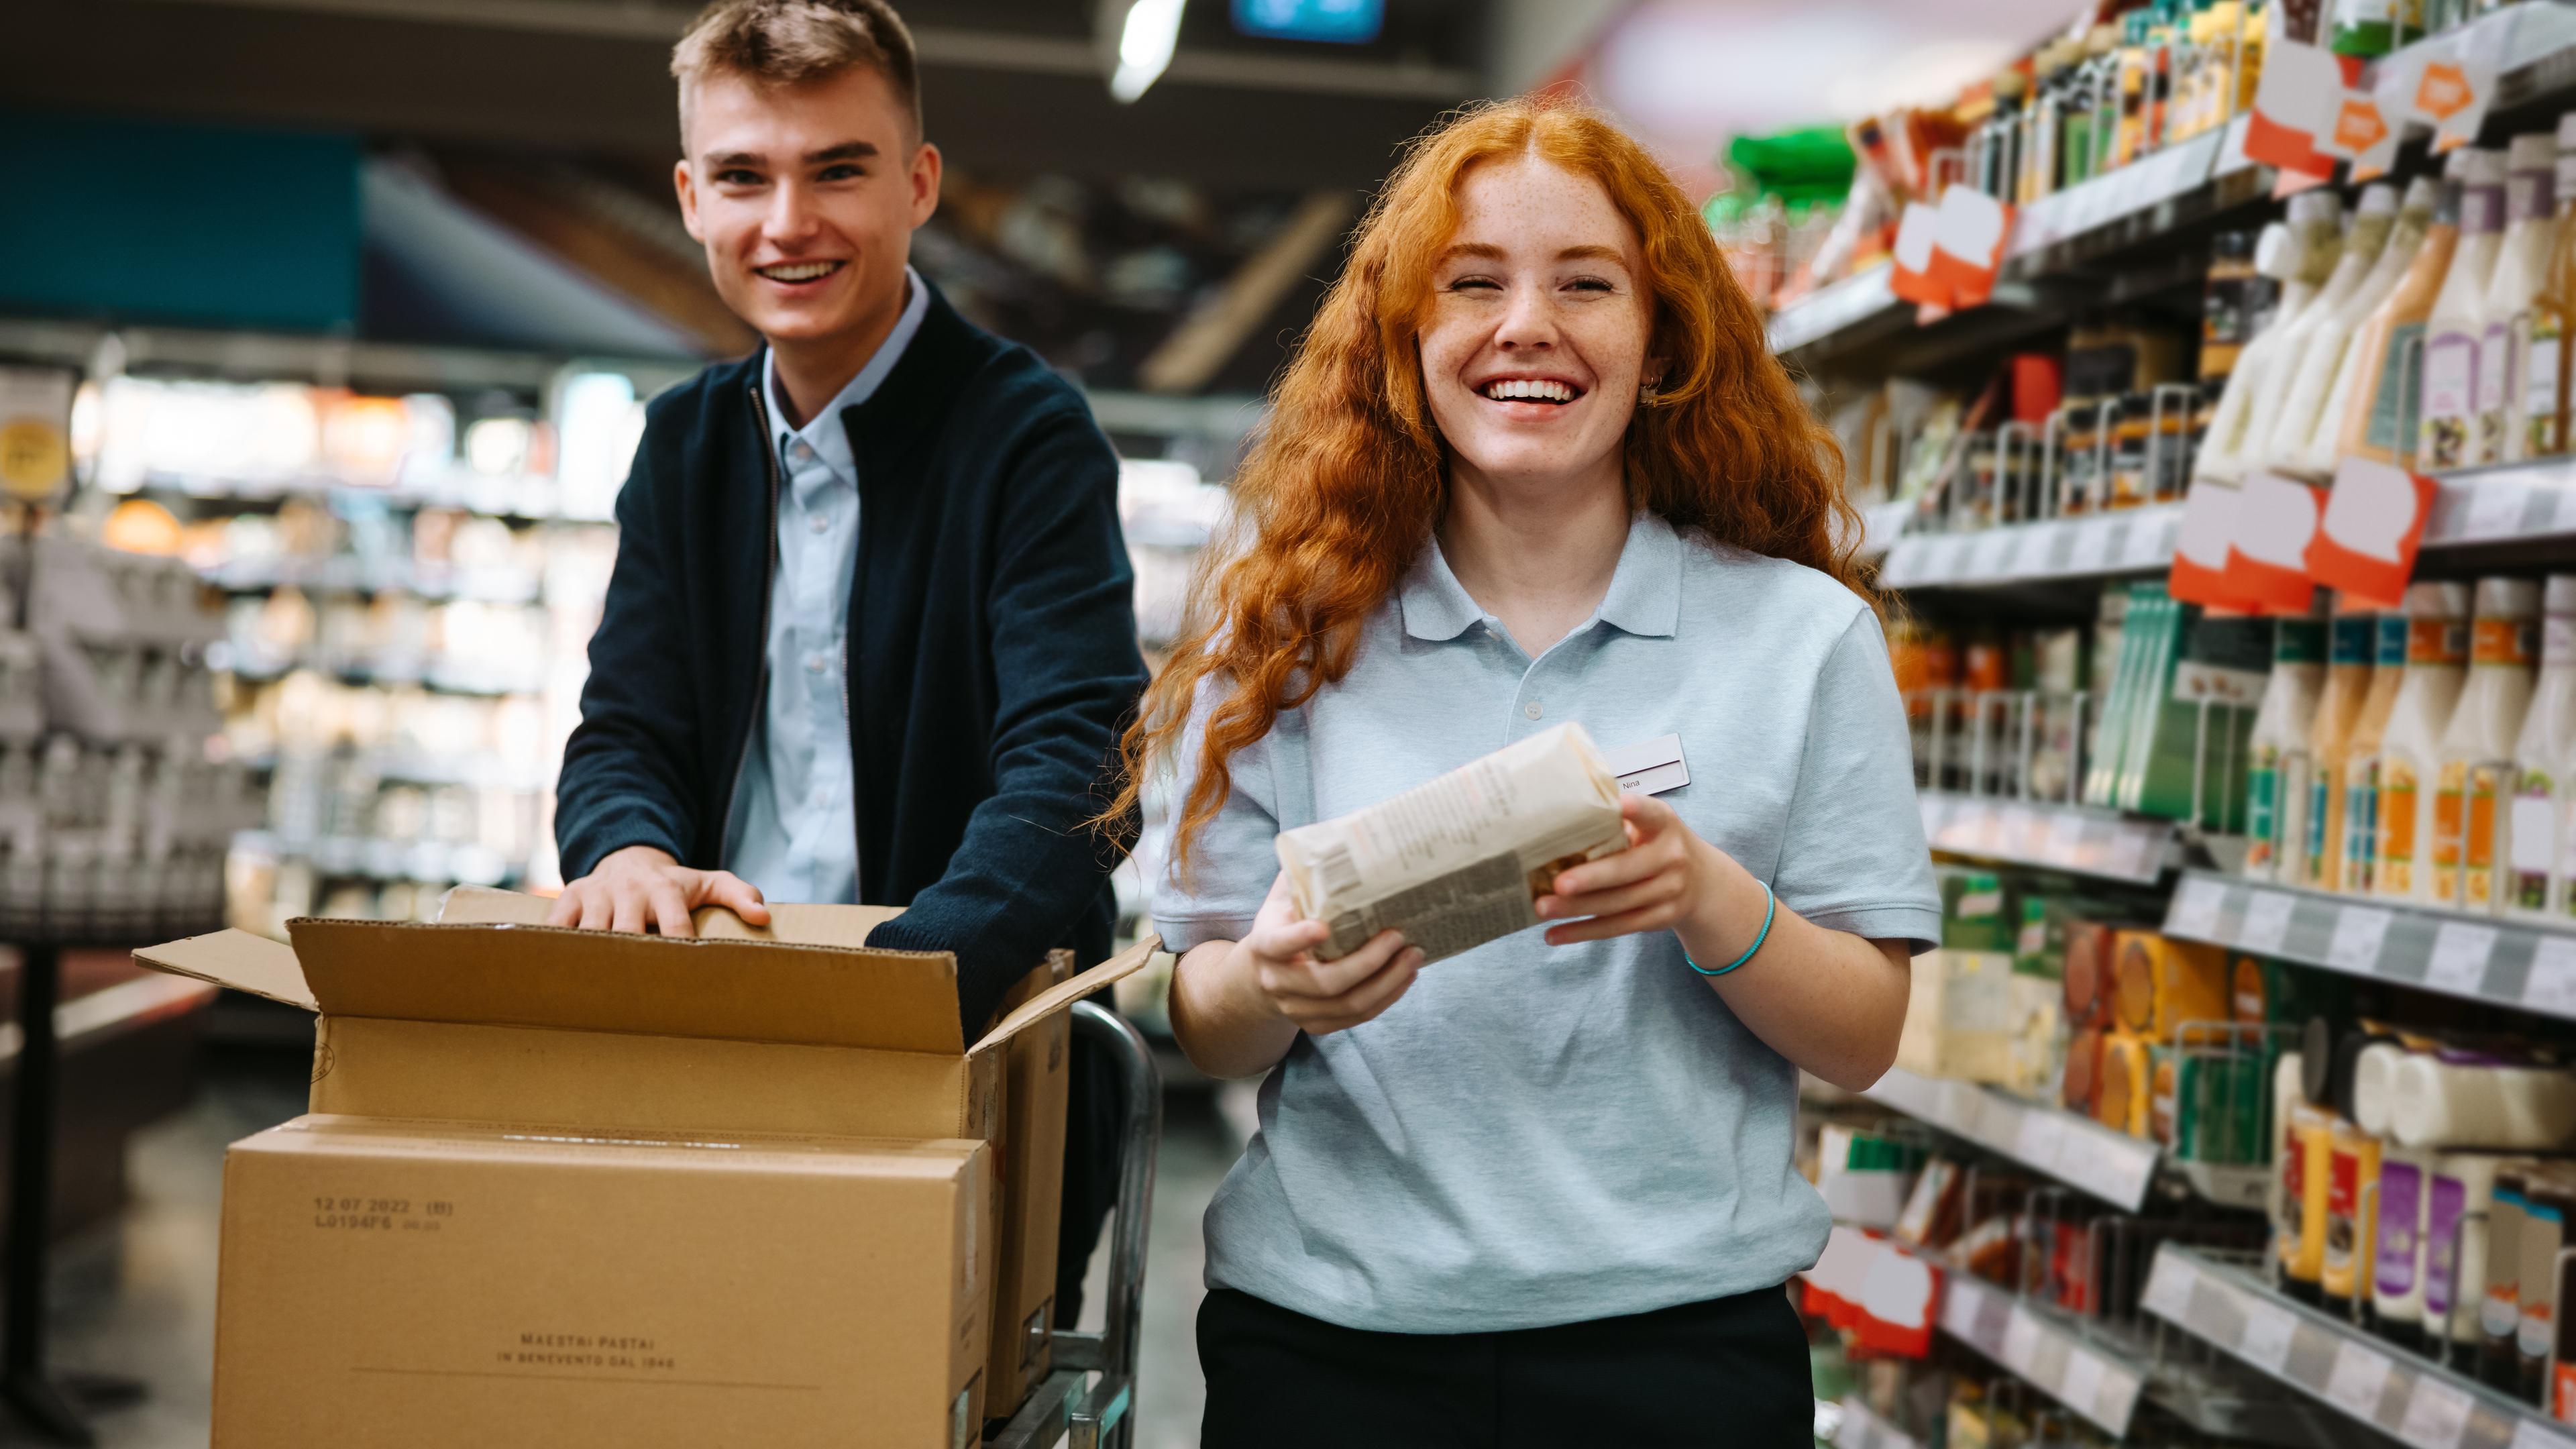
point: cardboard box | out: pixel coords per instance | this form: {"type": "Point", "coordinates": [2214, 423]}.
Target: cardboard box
{"type": "Point", "coordinates": [630, 1043]}
{"type": "Point", "coordinates": [437, 1285]}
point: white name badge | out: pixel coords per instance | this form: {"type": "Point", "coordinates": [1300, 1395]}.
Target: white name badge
{"type": "Point", "coordinates": [1650, 767]}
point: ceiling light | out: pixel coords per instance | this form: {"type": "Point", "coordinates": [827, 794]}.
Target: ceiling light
{"type": "Point", "coordinates": [1145, 42]}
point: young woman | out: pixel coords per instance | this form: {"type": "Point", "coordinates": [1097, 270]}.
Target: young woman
{"type": "Point", "coordinates": [1534, 464]}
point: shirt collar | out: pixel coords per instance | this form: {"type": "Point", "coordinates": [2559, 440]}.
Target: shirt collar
{"type": "Point", "coordinates": [1645, 595]}
{"type": "Point", "coordinates": [824, 432]}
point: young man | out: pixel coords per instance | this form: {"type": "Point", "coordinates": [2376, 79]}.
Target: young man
{"type": "Point", "coordinates": [870, 636]}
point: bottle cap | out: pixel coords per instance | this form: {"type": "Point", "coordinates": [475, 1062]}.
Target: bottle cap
{"type": "Point", "coordinates": [2275, 254]}
{"type": "Point", "coordinates": [2422, 193]}
{"type": "Point", "coordinates": [2315, 208]}
{"type": "Point", "coordinates": [2567, 132]}
{"type": "Point", "coordinates": [2560, 597]}
{"type": "Point", "coordinates": [2377, 199]}
{"type": "Point", "coordinates": [2455, 167]}
{"type": "Point", "coordinates": [2486, 166]}
{"type": "Point", "coordinates": [2532, 151]}
{"type": "Point", "coordinates": [2348, 602]}
{"type": "Point", "coordinates": [2437, 601]}
{"type": "Point", "coordinates": [2508, 598]}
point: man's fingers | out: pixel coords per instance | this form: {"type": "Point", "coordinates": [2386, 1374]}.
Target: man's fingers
{"type": "Point", "coordinates": [628, 913]}
{"type": "Point", "coordinates": [595, 913]}
{"type": "Point", "coordinates": [724, 888]}
{"type": "Point", "coordinates": [670, 910]}
{"type": "Point", "coordinates": [567, 907]}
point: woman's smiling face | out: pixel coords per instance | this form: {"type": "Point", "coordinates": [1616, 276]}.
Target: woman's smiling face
{"type": "Point", "coordinates": [1535, 346]}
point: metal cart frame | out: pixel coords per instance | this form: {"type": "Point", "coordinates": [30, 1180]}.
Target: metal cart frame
{"type": "Point", "coordinates": [1066, 1404]}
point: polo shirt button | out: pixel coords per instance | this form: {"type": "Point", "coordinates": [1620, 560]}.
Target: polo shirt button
{"type": "Point", "coordinates": [1532, 710]}
{"type": "Point", "coordinates": [822, 524]}
{"type": "Point", "coordinates": [818, 663]}
{"type": "Point", "coordinates": [802, 451]}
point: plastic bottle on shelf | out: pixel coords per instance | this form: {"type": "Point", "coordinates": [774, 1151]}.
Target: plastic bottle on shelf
{"type": "Point", "coordinates": [2476, 771]}
{"type": "Point", "coordinates": [2437, 666]}
{"type": "Point", "coordinates": [2303, 257]}
{"type": "Point", "coordinates": [2447, 404]}
{"type": "Point", "coordinates": [2310, 417]}
{"type": "Point", "coordinates": [2538, 854]}
{"type": "Point", "coordinates": [2319, 864]}
{"type": "Point", "coordinates": [2521, 267]}
{"type": "Point", "coordinates": [2276, 797]}
{"type": "Point", "coordinates": [2358, 842]}
{"type": "Point", "coordinates": [2373, 219]}
{"type": "Point", "coordinates": [2377, 407]}
{"type": "Point", "coordinates": [2539, 427]}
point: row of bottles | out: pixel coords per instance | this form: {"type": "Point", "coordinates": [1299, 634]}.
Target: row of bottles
{"type": "Point", "coordinates": [2171, 70]}
{"type": "Point", "coordinates": [2416, 756]}
{"type": "Point", "coordinates": [2431, 330]}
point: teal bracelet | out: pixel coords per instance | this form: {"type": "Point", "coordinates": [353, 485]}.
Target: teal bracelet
{"type": "Point", "coordinates": [1770, 907]}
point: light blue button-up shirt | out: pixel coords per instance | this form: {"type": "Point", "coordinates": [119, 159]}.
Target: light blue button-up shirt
{"type": "Point", "coordinates": [1539, 1134]}
{"type": "Point", "coordinates": [794, 830]}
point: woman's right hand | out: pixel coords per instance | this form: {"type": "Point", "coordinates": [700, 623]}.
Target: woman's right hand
{"type": "Point", "coordinates": [1322, 997]}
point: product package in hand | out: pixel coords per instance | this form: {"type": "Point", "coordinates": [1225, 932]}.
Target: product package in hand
{"type": "Point", "coordinates": [1463, 859]}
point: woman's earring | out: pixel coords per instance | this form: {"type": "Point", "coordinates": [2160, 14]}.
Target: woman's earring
{"type": "Point", "coordinates": [1647, 397]}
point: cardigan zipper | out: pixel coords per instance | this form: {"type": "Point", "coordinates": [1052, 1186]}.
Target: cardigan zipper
{"type": "Point", "coordinates": [768, 582]}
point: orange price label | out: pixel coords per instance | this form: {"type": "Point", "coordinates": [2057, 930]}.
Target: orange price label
{"type": "Point", "coordinates": [2357, 124]}
{"type": "Point", "coordinates": [2444, 91]}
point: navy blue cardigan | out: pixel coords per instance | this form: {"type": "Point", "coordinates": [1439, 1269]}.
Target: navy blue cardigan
{"type": "Point", "coordinates": [992, 649]}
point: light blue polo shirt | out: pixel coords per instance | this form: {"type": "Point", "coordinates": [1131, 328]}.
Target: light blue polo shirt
{"type": "Point", "coordinates": [1540, 1134]}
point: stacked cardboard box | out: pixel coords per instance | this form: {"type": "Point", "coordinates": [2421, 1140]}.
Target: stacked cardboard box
{"type": "Point", "coordinates": [572, 1187]}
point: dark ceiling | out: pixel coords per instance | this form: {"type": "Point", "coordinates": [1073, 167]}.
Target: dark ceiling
{"type": "Point", "coordinates": [1002, 79]}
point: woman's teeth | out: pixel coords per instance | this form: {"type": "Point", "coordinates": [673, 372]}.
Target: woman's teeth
{"type": "Point", "coordinates": [1528, 389]}
{"type": "Point", "coordinates": [799, 271]}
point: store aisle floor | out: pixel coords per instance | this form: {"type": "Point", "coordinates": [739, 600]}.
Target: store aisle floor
{"type": "Point", "coordinates": [138, 1298]}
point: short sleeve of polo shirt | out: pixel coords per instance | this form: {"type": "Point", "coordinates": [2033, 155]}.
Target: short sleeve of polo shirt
{"type": "Point", "coordinates": [1852, 853]}
{"type": "Point", "coordinates": [1235, 857]}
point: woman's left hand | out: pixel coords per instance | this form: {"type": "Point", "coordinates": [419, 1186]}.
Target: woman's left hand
{"type": "Point", "coordinates": [1666, 875]}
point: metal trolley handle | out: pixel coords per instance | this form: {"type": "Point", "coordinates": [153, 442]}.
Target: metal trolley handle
{"type": "Point", "coordinates": [1092, 1415]}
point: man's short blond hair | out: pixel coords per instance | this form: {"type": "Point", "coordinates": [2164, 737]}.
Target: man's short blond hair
{"type": "Point", "coordinates": [789, 42]}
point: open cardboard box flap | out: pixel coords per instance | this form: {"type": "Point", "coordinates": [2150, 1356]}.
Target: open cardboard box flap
{"type": "Point", "coordinates": [485, 964]}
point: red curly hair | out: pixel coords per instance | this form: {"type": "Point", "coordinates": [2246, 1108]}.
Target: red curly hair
{"type": "Point", "coordinates": [1348, 480]}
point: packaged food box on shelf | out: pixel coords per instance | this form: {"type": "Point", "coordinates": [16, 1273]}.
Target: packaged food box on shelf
{"type": "Point", "coordinates": [122, 639]}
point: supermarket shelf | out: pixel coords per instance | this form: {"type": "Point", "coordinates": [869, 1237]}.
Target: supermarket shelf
{"type": "Point", "coordinates": [2077, 1151]}
{"type": "Point", "coordinates": [2506, 503]}
{"type": "Point", "coordinates": [2100, 843]}
{"type": "Point", "coordinates": [531, 497]}
{"type": "Point", "coordinates": [2360, 1376]}
{"type": "Point", "coordinates": [348, 574]}
{"type": "Point", "coordinates": [475, 771]}
{"type": "Point", "coordinates": [2086, 1377]}
{"type": "Point", "coordinates": [2133, 541]}
{"type": "Point", "coordinates": [1860, 1429]}
{"type": "Point", "coordinates": [368, 858]}
{"type": "Point", "coordinates": [2492, 959]}
{"type": "Point", "coordinates": [1837, 307]}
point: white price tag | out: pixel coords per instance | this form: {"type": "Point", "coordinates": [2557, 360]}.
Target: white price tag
{"type": "Point", "coordinates": [2360, 1374]}
{"type": "Point", "coordinates": [2532, 1434]}
{"type": "Point", "coordinates": [2267, 923]}
{"type": "Point", "coordinates": [2265, 1341]}
{"type": "Point", "coordinates": [1994, 546]}
{"type": "Point", "coordinates": [2551, 986]}
{"type": "Point", "coordinates": [2031, 551]}
{"type": "Point", "coordinates": [1904, 562]}
{"type": "Point", "coordinates": [2436, 1415]}
{"type": "Point", "coordinates": [2065, 839]}
{"type": "Point", "coordinates": [2090, 552]}
{"type": "Point", "coordinates": [2133, 852]}
{"type": "Point", "coordinates": [2169, 1286]}
{"type": "Point", "coordinates": [2562, 509]}
{"type": "Point", "coordinates": [2014, 828]}
{"type": "Point", "coordinates": [2041, 1139]}
{"type": "Point", "coordinates": [2150, 542]}
{"type": "Point", "coordinates": [1960, 1300]}
{"type": "Point", "coordinates": [2460, 952]}
{"type": "Point", "coordinates": [1940, 558]}
{"type": "Point", "coordinates": [2358, 934]}
{"type": "Point", "coordinates": [2082, 1386]}
{"type": "Point", "coordinates": [2495, 510]}
{"type": "Point", "coordinates": [2021, 1340]}
{"type": "Point", "coordinates": [2195, 909]}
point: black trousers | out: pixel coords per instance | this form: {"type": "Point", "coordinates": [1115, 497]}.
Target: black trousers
{"type": "Point", "coordinates": [1730, 1371]}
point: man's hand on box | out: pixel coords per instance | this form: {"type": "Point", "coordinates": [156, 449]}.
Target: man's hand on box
{"type": "Point", "coordinates": [1665, 876]}
{"type": "Point", "coordinates": [1322, 997]}
{"type": "Point", "coordinates": [641, 886]}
